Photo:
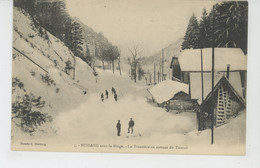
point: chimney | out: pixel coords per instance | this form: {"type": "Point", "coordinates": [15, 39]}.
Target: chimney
{"type": "Point", "coordinates": [228, 69]}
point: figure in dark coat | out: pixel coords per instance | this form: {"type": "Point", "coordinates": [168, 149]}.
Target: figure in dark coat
{"type": "Point", "coordinates": [102, 97]}
{"type": "Point", "coordinates": [115, 96]}
{"type": "Point", "coordinates": [118, 126]}
{"type": "Point", "coordinates": [113, 90]}
{"type": "Point", "coordinates": [131, 125]}
{"type": "Point", "coordinates": [106, 94]}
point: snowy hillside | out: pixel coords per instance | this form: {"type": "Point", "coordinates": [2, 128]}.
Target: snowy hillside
{"type": "Point", "coordinates": [171, 50]}
{"type": "Point", "coordinates": [56, 88]}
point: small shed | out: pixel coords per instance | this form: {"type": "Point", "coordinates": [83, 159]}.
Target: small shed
{"type": "Point", "coordinates": [172, 95]}
{"type": "Point", "coordinates": [225, 102]}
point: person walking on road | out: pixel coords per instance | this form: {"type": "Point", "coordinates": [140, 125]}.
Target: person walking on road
{"type": "Point", "coordinates": [113, 90]}
{"type": "Point", "coordinates": [115, 96]}
{"type": "Point", "coordinates": [106, 94]}
{"type": "Point", "coordinates": [102, 97]}
{"type": "Point", "coordinates": [131, 125]}
{"type": "Point", "coordinates": [118, 126]}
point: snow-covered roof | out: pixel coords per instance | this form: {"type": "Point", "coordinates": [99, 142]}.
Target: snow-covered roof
{"type": "Point", "coordinates": [195, 83]}
{"type": "Point", "coordinates": [224, 80]}
{"type": "Point", "coordinates": [190, 59]}
{"type": "Point", "coordinates": [166, 90]}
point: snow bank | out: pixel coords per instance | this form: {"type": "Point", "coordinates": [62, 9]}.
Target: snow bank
{"type": "Point", "coordinates": [230, 134]}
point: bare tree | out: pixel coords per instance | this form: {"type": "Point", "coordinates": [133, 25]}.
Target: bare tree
{"type": "Point", "coordinates": [119, 56]}
{"type": "Point", "coordinates": [134, 59]}
{"type": "Point", "coordinates": [115, 54]}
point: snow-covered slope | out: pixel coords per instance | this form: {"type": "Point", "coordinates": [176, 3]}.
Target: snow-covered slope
{"type": "Point", "coordinates": [50, 53]}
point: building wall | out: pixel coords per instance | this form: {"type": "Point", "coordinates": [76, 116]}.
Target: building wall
{"type": "Point", "coordinates": [196, 84]}
{"type": "Point", "coordinates": [182, 106]}
{"type": "Point", "coordinates": [185, 77]}
{"type": "Point", "coordinates": [204, 117]}
{"type": "Point", "coordinates": [179, 103]}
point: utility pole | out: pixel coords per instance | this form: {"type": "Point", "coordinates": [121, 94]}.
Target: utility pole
{"type": "Point", "coordinates": [74, 69]}
{"type": "Point", "coordinates": [160, 72]}
{"type": "Point", "coordinates": [212, 86]}
{"type": "Point", "coordinates": [202, 88]}
{"type": "Point", "coordinates": [94, 58]}
{"type": "Point", "coordinates": [202, 84]}
{"type": "Point", "coordinates": [150, 77]}
{"type": "Point", "coordinates": [158, 77]}
{"type": "Point", "coordinates": [154, 74]}
{"type": "Point", "coordinates": [162, 64]}
{"type": "Point", "coordinates": [119, 67]}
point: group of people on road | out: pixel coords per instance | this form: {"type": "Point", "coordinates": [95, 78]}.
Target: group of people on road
{"type": "Point", "coordinates": [113, 90]}
{"type": "Point", "coordinates": [118, 125]}
{"type": "Point", "coordinates": [131, 124]}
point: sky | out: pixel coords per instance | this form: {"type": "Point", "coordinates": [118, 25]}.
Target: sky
{"type": "Point", "coordinates": [152, 24]}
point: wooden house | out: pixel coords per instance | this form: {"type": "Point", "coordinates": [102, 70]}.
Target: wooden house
{"type": "Point", "coordinates": [187, 67]}
{"type": "Point", "coordinates": [225, 103]}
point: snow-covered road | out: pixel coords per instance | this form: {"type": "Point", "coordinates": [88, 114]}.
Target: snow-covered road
{"type": "Point", "coordinates": [96, 120]}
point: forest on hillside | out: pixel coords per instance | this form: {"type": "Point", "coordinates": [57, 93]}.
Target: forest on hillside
{"type": "Point", "coordinates": [226, 23]}
{"type": "Point", "coordinates": [82, 40]}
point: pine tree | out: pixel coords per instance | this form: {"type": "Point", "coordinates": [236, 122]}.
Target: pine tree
{"type": "Point", "coordinates": [27, 111]}
{"type": "Point", "coordinates": [204, 31]}
{"type": "Point", "coordinates": [27, 5]}
{"type": "Point", "coordinates": [68, 67]}
{"type": "Point", "coordinates": [231, 20]}
{"type": "Point", "coordinates": [53, 17]}
{"type": "Point", "coordinates": [191, 38]}
{"type": "Point", "coordinates": [77, 37]}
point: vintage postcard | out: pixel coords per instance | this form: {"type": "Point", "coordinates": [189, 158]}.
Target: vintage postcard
{"type": "Point", "coordinates": [129, 76]}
